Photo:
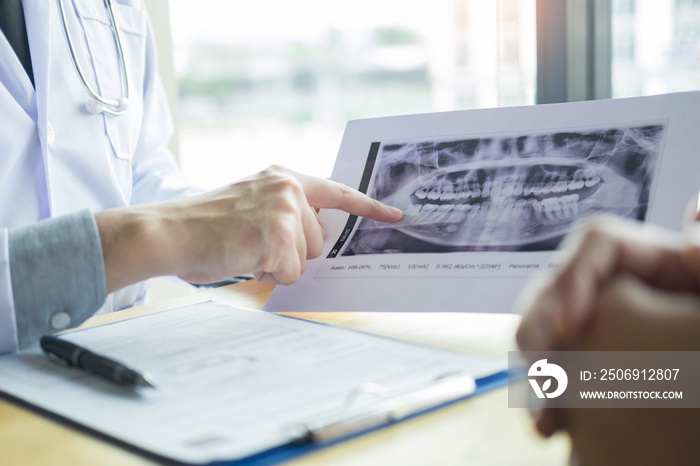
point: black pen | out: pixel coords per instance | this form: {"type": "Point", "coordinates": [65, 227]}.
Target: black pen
{"type": "Point", "coordinates": [69, 353]}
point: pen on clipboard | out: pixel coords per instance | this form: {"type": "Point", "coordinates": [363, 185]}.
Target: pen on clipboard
{"type": "Point", "coordinates": [71, 354]}
{"type": "Point", "coordinates": [391, 408]}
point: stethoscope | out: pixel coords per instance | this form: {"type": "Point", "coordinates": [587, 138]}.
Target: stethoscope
{"type": "Point", "coordinates": [98, 103]}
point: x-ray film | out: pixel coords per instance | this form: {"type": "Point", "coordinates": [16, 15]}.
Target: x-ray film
{"type": "Point", "coordinates": [514, 192]}
{"type": "Point", "coordinates": [488, 195]}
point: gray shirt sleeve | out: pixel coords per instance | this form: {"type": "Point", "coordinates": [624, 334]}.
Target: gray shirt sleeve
{"type": "Point", "coordinates": [57, 273]}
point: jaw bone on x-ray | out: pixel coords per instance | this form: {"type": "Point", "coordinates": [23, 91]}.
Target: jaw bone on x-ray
{"type": "Point", "coordinates": [508, 193]}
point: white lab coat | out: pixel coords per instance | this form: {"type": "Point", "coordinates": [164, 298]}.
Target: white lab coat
{"type": "Point", "coordinates": [56, 157]}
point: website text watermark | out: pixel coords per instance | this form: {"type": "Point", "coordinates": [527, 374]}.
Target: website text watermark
{"type": "Point", "coordinates": [600, 379]}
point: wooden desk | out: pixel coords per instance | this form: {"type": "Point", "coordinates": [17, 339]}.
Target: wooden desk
{"type": "Point", "coordinates": [480, 431]}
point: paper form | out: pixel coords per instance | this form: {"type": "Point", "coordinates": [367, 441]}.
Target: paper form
{"type": "Point", "coordinates": [230, 382]}
{"type": "Point", "coordinates": [488, 195]}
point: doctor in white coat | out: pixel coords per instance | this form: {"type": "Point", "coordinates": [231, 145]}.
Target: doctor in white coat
{"type": "Point", "coordinates": [60, 160]}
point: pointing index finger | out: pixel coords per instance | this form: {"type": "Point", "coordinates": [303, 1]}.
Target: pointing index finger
{"type": "Point", "coordinates": [327, 194]}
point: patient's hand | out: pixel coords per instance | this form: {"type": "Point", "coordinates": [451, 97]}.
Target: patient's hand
{"type": "Point", "coordinates": [561, 308]}
{"type": "Point", "coordinates": [631, 315]}
{"type": "Point", "coordinates": [623, 288]}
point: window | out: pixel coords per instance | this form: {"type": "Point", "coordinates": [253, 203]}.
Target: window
{"type": "Point", "coordinates": [275, 82]}
{"type": "Point", "coordinates": [656, 46]}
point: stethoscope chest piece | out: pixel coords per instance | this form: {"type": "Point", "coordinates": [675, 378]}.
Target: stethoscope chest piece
{"type": "Point", "coordinates": [94, 106]}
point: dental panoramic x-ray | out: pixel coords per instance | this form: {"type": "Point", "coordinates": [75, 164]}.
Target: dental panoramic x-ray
{"type": "Point", "coordinates": [515, 192]}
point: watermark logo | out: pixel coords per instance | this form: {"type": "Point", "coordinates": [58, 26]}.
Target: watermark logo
{"type": "Point", "coordinates": [542, 368]}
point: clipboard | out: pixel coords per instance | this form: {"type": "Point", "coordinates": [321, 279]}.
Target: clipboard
{"type": "Point", "coordinates": [317, 399]}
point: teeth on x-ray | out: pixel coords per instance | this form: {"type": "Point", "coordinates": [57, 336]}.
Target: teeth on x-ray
{"type": "Point", "coordinates": [450, 198]}
{"type": "Point", "coordinates": [508, 193]}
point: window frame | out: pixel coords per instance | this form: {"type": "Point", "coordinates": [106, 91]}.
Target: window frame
{"type": "Point", "coordinates": [574, 50]}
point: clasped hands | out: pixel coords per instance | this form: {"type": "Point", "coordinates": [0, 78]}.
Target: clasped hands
{"type": "Point", "coordinates": [623, 286]}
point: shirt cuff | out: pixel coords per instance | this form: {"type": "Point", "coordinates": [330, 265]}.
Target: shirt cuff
{"type": "Point", "coordinates": [57, 272]}
{"type": "Point", "coordinates": [8, 327]}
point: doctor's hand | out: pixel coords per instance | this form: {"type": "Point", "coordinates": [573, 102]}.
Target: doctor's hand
{"type": "Point", "coordinates": [266, 224]}
{"type": "Point", "coordinates": [565, 308]}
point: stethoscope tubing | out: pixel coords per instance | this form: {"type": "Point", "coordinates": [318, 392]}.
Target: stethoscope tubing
{"type": "Point", "coordinates": [111, 106]}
